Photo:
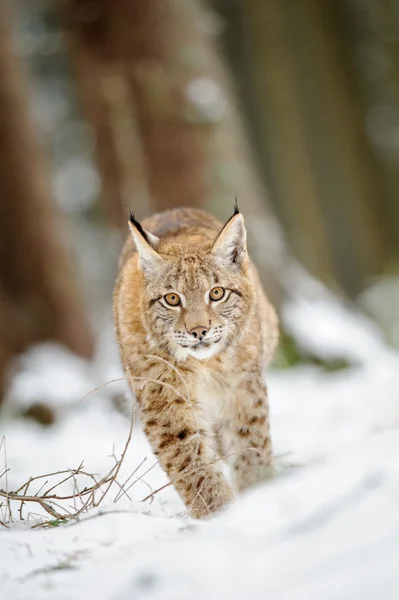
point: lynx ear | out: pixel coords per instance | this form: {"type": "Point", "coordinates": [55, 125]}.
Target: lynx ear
{"type": "Point", "coordinates": [146, 242]}
{"type": "Point", "coordinates": [230, 246]}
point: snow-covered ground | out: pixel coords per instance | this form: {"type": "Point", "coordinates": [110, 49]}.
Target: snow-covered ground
{"type": "Point", "coordinates": [326, 528]}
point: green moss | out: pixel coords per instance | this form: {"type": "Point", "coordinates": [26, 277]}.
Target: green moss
{"type": "Point", "coordinates": [290, 354]}
{"type": "Point", "coordinates": [57, 522]}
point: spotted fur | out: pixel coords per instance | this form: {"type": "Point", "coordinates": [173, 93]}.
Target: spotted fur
{"type": "Point", "coordinates": [196, 368]}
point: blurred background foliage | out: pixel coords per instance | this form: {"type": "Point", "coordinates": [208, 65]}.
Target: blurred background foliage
{"type": "Point", "coordinates": [292, 105]}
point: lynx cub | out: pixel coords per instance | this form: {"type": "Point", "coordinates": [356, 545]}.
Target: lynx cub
{"type": "Point", "coordinates": [195, 331]}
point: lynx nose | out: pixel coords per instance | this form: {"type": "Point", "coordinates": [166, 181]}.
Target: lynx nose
{"type": "Point", "coordinates": [199, 332]}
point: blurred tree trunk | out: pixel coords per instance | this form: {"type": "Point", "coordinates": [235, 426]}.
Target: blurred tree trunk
{"type": "Point", "coordinates": [151, 38]}
{"type": "Point", "coordinates": [324, 175]}
{"type": "Point", "coordinates": [373, 50]}
{"type": "Point", "coordinates": [106, 103]}
{"type": "Point", "coordinates": [282, 136]}
{"type": "Point", "coordinates": [95, 109]}
{"type": "Point", "coordinates": [39, 298]}
{"type": "Point", "coordinates": [193, 141]}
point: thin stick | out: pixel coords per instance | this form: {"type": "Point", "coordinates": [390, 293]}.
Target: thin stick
{"type": "Point", "coordinates": [4, 471]}
{"type": "Point", "coordinates": [168, 385]}
{"type": "Point", "coordinates": [43, 476]}
{"type": "Point", "coordinates": [72, 473]}
{"type": "Point", "coordinates": [99, 387]}
{"type": "Point", "coordinates": [156, 491]}
{"type": "Point", "coordinates": [4, 443]}
{"type": "Point", "coordinates": [41, 487]}
{"type": "Point", "coordinates": [121, 491]}
{"type": "Point", "coordinates": [75, 489]}
{"type": "Point", "coordinates": [118, 495]}
{"type": "Point", "coordinates": [140, 478]}
{"type": "Point", "coordinates": [43, 504]}
{"type": "Point", "coordinates": [22, 503]}
{"type": "Point", "coordinates": [34, 515]}
{"type": "Point", "coordinates": [60, 483]}
{"type": "Point", "coordinates": [96, 516]}
{"type": "Point", "coordinates": [129, 437]}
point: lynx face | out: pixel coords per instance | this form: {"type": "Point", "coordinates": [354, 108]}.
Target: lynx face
{"type": "Point", "coordinates": [195, 302]}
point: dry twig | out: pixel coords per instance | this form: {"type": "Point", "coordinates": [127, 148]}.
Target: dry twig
{"type": "Point", "coordinates": [52, 501]}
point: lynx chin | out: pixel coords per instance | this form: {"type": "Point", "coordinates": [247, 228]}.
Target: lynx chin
{"type": "Point", "coordinates": [195, 331]}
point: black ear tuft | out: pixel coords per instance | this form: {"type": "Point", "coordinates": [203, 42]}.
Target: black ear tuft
{"type": "Point", "coordinates": [236, 211]}
{"type": "Point", "coordinates": [137, 224]}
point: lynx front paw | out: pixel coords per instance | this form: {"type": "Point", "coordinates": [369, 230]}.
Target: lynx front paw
{"type": "Point", "coordinates": [209, 492]}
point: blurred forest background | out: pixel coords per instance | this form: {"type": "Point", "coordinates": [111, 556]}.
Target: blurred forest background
{"type": "Point", "coordinates": [292, 105]}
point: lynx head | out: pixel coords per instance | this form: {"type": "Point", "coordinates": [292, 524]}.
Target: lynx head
{"type": "Point", "coordinates": [196, 299]}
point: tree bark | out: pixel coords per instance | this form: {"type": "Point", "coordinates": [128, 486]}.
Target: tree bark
{"type": "Point", "coordinates": [39, 292]}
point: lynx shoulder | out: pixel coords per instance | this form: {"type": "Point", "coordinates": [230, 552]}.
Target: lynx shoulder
{"type": "Point", "coordinates": [195, 331]}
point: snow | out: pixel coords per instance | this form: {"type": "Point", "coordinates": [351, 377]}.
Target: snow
{"type": "Point", "coordinates": [326, 528]}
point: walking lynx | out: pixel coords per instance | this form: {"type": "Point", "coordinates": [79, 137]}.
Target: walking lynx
{"type": "Point", "coordinates": [195, 331]}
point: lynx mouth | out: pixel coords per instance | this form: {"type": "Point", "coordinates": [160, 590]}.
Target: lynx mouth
{"type": "Point", "coordinates": [205, 344]}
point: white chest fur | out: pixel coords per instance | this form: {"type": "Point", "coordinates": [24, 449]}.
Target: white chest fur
{"type": "Point", "coordinates": [213, 399]}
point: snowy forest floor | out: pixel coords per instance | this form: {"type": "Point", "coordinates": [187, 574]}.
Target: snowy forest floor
{"type": "Point", "coordinates": [326, 528]}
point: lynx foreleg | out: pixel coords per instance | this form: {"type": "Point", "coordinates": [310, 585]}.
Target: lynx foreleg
{"type": "Point", "coordinates": [247, 434]}
{"type": "Point", "coordinates": [185, 449]}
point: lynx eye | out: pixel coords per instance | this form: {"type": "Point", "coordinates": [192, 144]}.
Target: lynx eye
{"type": "Point", "coordinates": [216, 293]}
{"type": "Point", "coordinates": [172, 299]}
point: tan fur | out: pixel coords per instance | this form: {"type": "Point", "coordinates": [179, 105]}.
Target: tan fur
{"type": "Point", "coordinates": [197, 408]}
